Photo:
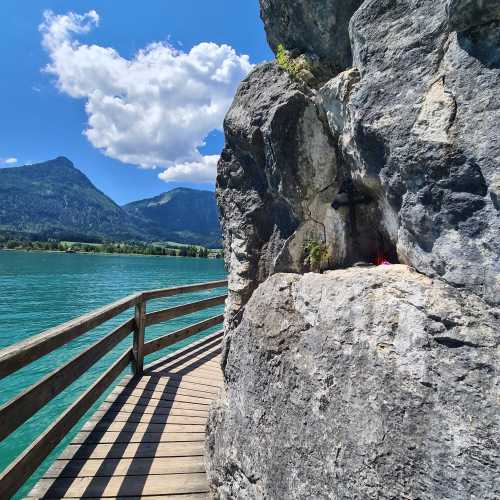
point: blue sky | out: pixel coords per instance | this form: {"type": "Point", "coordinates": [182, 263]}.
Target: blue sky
{"type": "Point", "coordinates": [109, 109]}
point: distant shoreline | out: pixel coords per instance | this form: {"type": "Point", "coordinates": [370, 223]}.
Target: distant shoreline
{"type": "Point", "coordinates": [106, 254]}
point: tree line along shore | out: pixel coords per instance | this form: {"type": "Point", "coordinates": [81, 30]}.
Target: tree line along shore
{"type": "Point", "coordinates": [114, 248]}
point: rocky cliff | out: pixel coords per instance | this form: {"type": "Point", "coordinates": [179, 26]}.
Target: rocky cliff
{"type": "Point", "coordinates": [375, 138]}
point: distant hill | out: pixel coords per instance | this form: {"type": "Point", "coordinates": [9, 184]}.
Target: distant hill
{"type": "Point", "coordinates": [182, 215]}
{"type": "Point", "coordinates": [55, 200]}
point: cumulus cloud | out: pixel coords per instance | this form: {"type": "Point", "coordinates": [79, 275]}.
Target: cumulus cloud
{"type": "Point", "coordinates": [153, 110]}
{"type": "Point", "coordinates": [10, 161]}
{"type": "Point", "coordinates": [203, 170]}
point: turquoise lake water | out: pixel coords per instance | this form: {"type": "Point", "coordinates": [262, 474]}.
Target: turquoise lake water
{"type": "Point", "coordinates": [42, 290]}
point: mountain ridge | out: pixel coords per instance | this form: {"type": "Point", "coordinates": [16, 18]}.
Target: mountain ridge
{"type": "Point", "coordinates": [54, 199]}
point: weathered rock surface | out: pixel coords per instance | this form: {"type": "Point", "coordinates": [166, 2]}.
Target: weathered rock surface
{"type": "Point", "coordinates": [276, 176]}
{"type": "Point", "coordinates": [409, 164]}
{"type": "Point", "coordinates": [375, 383]}
{"type": "Point", "coordinates": [365, 382]}
{"type": "Point", "coordinates": [423, 135]}
{"type": "Point", "coordinates": [315, 27]}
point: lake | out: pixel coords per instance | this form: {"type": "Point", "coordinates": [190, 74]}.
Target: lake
{"type": "Point", "coordinates": [41, 290]}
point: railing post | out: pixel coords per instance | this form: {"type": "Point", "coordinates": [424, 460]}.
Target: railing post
{"type": "Point", "coordinates": [138, 348]}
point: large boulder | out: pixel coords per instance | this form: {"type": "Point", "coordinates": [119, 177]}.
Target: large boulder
{"type": "Point", "coordinates": [375, 383]}
{"type": "Point", "coordinates": [315, 27]}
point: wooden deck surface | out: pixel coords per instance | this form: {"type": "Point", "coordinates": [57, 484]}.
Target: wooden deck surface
{"type": "Point", "coordinates": [147, 439]}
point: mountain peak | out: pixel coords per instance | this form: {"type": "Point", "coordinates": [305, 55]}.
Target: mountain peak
{"type": "Point", "coordinates": [63, 161]}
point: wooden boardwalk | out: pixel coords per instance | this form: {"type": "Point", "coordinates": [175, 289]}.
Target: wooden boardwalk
{"type": "Point", "coordinates": [147, 439]}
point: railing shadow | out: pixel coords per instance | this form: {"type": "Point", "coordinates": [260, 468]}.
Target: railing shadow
{"type": "Point", "coordinates": [142, 460]}
{"type": "Point", "coordinates": [138, 482]}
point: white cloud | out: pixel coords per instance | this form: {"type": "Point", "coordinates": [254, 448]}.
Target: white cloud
{"type": "Point", "coordinates": [203, 170]}
{"type": "Point", "coordinates": [10, 161]}
{"type": "Point", "coordinates": [155, 109]}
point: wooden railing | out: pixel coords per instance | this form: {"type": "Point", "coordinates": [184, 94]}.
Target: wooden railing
{"type": "Point", "coordinates": [18, 410]}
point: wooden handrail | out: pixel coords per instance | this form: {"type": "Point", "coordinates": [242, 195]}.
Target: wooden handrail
{"type": "Point", "coordinates": [18, 410]}
{"type": "Point", "coordinates": [169, 292]}
{"type": "Point", "coordinates": [182, 310]}
{"type": "Point", "coordinates": [16, 356]}
{"type": "Point", "coordinates": [182, 334]}
{"type": "Point", "coordinates": [21, 408]}
{"type": "Point", "coordinates": [22, 468]}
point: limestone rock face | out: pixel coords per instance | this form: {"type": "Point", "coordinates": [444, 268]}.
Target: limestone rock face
{"type": "Point", "coordinates": [397, 156]}
{"type": "Point", "coordinates": [364, 383]}
{"type": "Point", "coordinates": [315, 27]}
{"type": "Point", "coordinates": [276, 178]}
{"type": "Point", "coordinates": [375, 383]}
{"type": "Point", "coordinates": [422, 133]}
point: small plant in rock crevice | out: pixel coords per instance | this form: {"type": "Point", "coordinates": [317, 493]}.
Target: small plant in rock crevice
{"type": "Point", "coordinates": [317, 256]}
{"type": "Point", "coordinates": [285, 61]}
{"type": "Point", "coordinates": [298, 68]}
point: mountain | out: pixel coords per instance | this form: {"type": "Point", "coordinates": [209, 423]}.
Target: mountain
{"type": "Point", "coordinates": [55, 200]}
{"type": "Point", "coordinates": [182, 215]}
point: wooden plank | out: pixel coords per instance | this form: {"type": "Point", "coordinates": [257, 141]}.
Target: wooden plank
{"type": "Point", "coordinates": [165, 401]}
{"type": "Point", "coordinates": [198, 358]}
{"type": "Point", "coordinates": [172, 409]}
{"type": "Point", "coordinates": [179, 384]}
{"type": "Point", "coordinates": [197, 364]}
{"type": "Point", "coordinates": [18, 472]}
{"type": "Point", "coordinates": [124, 393]}
{"type": "Point", "coordinates": [215, 376]}
{"type": "Point", "coordinates": [105, 487]}
{"type": "Point", "coordinates": [136, 437]}
{"type": "Point", "coordinates": [101, 427]}
{"type": "Point", "coordinates": [157, 403]}
{"type": "Point", "coordinates": [195, 379]}
{"type": "Point", "coordinates": [158, 392]}
{"type": "Point", "coordinates": [21, 408]}
{"type": "Point", "coordinates": [182, 334]}
{"type": "Point", "coordinates": [133, 450]}
{"type": "Point", "coordinates": [193, 370]}
{"type": "Point", "coordinates": [169, 292]}
{"type": "Point", "coordinates": [183, 368]}
{"type": "Point", "coordinates": [179, 381]}
{"type": "Point", "coordinates": [174, 312]}
{"type": "Point", "coordinates": [209, 339]}
{"type": "Point", "coordinates": [125, 467]}
{"type": "Point", "coordinates": [184, 496]}
{"type": "Point", "coordinates": [16, 356]}
{"type": "Point", "coordinates": [195, 353]}
{"type": "Point", "coordinates": [214, 362]}
{"type": "Point", "coordinates": [144, 418]}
